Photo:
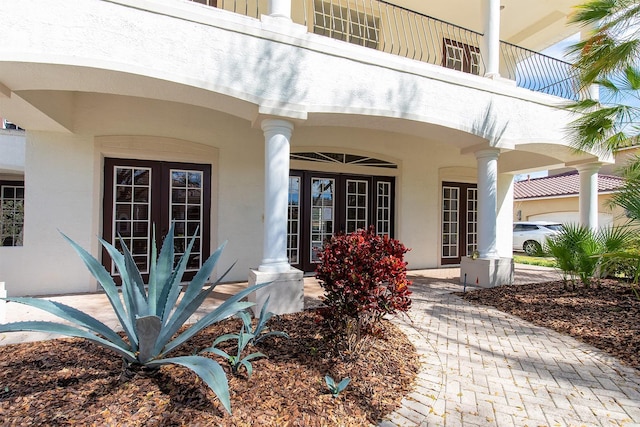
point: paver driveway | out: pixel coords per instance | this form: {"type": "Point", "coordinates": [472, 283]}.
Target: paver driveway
{"type": "Point", "coordinates": [482, 367]}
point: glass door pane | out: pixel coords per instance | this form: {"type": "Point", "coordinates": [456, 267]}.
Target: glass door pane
{"type": "Point", "coordinates": [383, 212]}
{"type": "Point", "coordinates": [186, 208]}
{"type": "Point", "coordinates": [12, 213]}
{"type": "Point", "coordinates": [357, 208]}
{"type": "Point", "coordinates": [450, 224]}
{"type": "Point", "coordinates": [322, 213]}
{"type": "Point", "coordinates": [131, 213]}
{"type": "Point", "coordinates": [472, 220]}
{"type": "Point", "coordinates": [293, 224]}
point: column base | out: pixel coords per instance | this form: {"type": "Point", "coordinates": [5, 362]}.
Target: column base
{"type": "Point", "coordinates": [286, 291]}
{"type": "Point", "coordinates": [486, 272]}
{"type": "Point", "coordinates": [269, 266]}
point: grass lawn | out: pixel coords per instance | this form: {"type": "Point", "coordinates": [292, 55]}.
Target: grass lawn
{"type": "Point", "coordinates": [534, 260]}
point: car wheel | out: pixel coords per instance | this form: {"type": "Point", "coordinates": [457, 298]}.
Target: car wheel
{"type": "Point", "coordinates": [531, 247]}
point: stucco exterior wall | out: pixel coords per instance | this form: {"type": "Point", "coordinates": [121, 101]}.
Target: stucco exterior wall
{"type": "Point", "coordinates": [529, 208]}
{"type": "Point", "coordinates": [65, 176]}
{"type": "Point", "coordinates": [12, 148]}
{"type": "Point", "coordinates": [197, 91]}
{"type": "Point", "coordinates": [58, 201]}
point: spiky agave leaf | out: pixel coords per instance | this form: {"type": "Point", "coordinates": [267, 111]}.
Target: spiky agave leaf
{"type": "Point", "coordinates": [133, 303]}
{"type": "Point", "coordinates": [70, 331]}
{"type": "Point", "coordinates": [344, 383]}
{"type": "Point", "coordinates": [331, 383]}
{"type": "Point", "coordinates": [194, 296]}
{"type": "Point", "coordinates": [221, 339]}
{"type": "Point", "coordinates": [175, 279]}
{"type": "Point", "coordinates": [228, 308]}
{"type": "Point", "coordinates": [208, 370]}
{"type": "Point", "coordinates": [148, 329]}
{"type": "Point", "coordinates": [152, 286]}
{"type": "Point", "coordinates": [265, 316]}
{"type": "Point", "coordinates": [108, 285]}
{"type": "Point", "coordinates": [134, 283]}
{"type": "Point", "coordinates": [164, 271]}
{"type": "Point", "coordinates": [73, 315]}
{"type": "Point", "coordinates": [247, 364]}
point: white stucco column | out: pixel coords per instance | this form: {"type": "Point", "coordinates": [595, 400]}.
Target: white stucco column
{"type": "Point", "coordinates": [277, 136]}
{"type": "Point", "coordinates": [504, 233]}
{"type": "Point", "coordinates": [588, 199]}
{"type": "Point", "coordinates": [280, 9]}
{"type": "Point", "coordinates": [494, 266]}
{"type": "Point", "coordinates": [491, 41]}
{"type": "Point", "coordinates": [487, 202]}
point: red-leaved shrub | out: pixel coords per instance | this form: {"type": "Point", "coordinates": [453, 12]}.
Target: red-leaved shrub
{"type": "Point", "coordinates": [364, 277]}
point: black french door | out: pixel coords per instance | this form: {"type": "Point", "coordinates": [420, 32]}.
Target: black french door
{"type": "Point", "coordinates": [459, 233]}
{"type": "Point", "coordinates": [139, 194]}
{"type": "Point", "coordinates": [323, 204]}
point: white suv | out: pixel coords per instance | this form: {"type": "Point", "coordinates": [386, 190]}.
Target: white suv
{"type": "Point", "coordinates": [530, 236]}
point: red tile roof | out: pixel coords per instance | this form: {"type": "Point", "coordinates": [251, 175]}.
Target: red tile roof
{"type": "Point", "coordinates": [565, 184]}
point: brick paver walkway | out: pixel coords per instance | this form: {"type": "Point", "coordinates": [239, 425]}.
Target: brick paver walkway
{"type": "Point", "coordinates": [482, 367]}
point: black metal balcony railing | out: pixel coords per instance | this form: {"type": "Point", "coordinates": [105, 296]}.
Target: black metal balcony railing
{"type": "Point", "coordinates": [541, 73]}
{"type": "Point", "coordinates": [383, 26]}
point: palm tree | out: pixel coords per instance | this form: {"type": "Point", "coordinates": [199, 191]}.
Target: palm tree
{"type": "Point", "coordinates": [609, 58]}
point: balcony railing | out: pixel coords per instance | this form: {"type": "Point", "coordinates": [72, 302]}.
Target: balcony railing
{"type": "Point", "coordinates": [386, 27]}
{"type": "Point", "coordinates": [540, 73]}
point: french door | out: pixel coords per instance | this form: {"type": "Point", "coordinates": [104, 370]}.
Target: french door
{"type": "Point", "coordinates": [322, 204]}
{"type": "Point", "coordinates": [459, 220]}
{"type": "Point", "coordinates": [140, 194]}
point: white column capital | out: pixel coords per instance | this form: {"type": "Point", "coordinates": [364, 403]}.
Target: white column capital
{"type": "Point", "coordinates": [589, 167]}
{"type": "Point", "coordinates": [280, 126]}
{"type": "Point", "coordinates": [488, 153]}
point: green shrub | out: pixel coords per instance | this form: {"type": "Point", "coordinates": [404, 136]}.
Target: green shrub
{"type": "Point", "coordinates": [150, 318]}
{"type": "Point", "coordinates": [624, 265]}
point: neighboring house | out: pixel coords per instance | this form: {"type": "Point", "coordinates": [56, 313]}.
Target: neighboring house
{"type": "Point", "coordinates": [556, 198]}
{"type": "Point", "coordinates": [412, 118]}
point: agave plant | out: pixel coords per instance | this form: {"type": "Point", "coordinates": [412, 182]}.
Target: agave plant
{"type": "Point", "coordinates": [149, 315]}
{"type": "Point", "coordinates": [336, 388]}
{"type": "Point", "coordinates": [258, 333]}
{"type": "Point", "coordinates": [236, 361]}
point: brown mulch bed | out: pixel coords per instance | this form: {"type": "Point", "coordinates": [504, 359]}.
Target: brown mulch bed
{"type": "Point", "coordinates": [74, 382]}
{"type": "Point", "coordinates": [606, 316]}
